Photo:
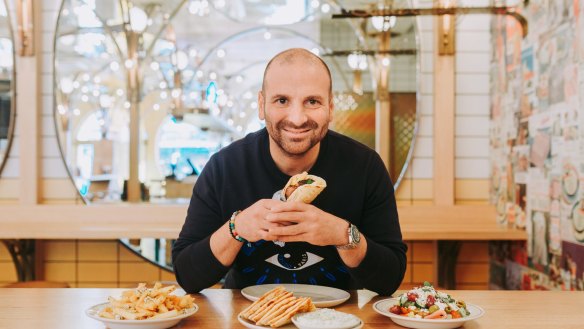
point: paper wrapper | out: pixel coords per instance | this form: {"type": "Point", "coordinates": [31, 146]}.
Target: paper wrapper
{"type": "Point", "coordinates": [305, 193]}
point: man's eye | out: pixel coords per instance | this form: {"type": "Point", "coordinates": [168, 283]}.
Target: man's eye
{"type": "Point", "coordinates": [294, 260]}
{"type": "Point", "coordinates": [313, 102]}
{"type": "Point", "coordinates": [281, 100]}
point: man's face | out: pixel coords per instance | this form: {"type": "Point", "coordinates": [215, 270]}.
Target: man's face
{"type": "Point", "coordinates": [296, 105]}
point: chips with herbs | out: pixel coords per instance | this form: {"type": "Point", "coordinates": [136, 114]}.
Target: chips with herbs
{"type": "Point", "coordinates": [145, 303]}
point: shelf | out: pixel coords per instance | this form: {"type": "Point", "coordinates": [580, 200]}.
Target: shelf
{"type": "Point", "coordinates": [165, 221]}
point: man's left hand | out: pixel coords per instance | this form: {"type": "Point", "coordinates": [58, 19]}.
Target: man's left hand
{"type": "Point", "coordinates": [307, 223]}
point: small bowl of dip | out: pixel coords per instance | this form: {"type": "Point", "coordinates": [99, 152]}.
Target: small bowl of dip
{"type": "Point", "coordinates": [326, 318]}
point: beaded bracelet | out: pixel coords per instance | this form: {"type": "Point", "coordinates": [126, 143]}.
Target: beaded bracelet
{"type": "Point", "coordinates": [232, 229]}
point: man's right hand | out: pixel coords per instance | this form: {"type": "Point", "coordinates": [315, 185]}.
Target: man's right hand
{"type": "Point", "coordinates": [251, 223]}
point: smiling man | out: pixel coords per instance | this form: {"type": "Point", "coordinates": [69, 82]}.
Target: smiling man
{"type": "Point", "coordinates": [348, 238]}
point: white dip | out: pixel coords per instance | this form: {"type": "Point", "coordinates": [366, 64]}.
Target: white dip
{"type": "Point", "coordinates": [326, 318]}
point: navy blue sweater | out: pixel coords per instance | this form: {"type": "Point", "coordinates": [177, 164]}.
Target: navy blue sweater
{"type": "Point", "coordinates": [358, 190]}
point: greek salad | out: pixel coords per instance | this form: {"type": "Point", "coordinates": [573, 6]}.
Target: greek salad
{"type": "Point", "coordinates": [426, 303]}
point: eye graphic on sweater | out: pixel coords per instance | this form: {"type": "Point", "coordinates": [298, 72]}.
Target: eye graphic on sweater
{"type": "Point", "coordinates": [294, 261]}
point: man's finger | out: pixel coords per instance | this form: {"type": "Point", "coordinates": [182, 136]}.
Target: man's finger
{"type": "Point", "coordinates": [287, 230]}
{"type": "Point", "coordinates": [286, 217]}
{"type": "Point", "coordinates": [270, 203]}
{"type": "Point", "coordinates": [289, 206]}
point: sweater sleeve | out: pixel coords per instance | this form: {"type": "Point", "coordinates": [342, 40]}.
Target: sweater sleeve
{"type": "Point", "coordinates": [383, 268]}
{"type": "Point", "coordinates": [195, 266]}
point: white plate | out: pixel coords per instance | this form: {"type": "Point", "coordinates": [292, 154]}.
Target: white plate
{"type": "Point", "coordinates": [251, 325]}
{"type": "Point", "coordinates": [93, 312]}
{"type": "Point", "coordinates": [321, 296]}
{"type": "Point", "coordinates": [382, 307]}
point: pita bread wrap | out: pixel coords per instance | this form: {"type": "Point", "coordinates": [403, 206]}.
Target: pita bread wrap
{"type": "Point", "coordinates": [303, 187]}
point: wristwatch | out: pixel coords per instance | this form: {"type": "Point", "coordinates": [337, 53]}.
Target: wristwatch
{"type": "Point", "coordinates": [354, 238]}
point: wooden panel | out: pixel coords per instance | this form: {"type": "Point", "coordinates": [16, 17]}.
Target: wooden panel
{"type": "Point", "coordinates": [139, 272]}
{"type": "Point", "coordinates": [409, 252]}
{"type": "Point", "coordinates": [472, 286]}
{"type": "Point", "coordinates": [472, 189]}
{"type": "Point", "coordinates": [61, 271]}
{"type": "Point", "coordinates": [98, 272]}
{"type": "Point", "coordinates": [4, 254]}
{"type": "Point", "coordinates": [424, 252]}
{"type": "Point", "coordinates": [473, 202]}
{"type": "Point", "coordinates": [60, 251]}
{"type": "Point", "coordinates": [422, 272]}
{"type": "Point", "coordinates": [444, 109]}
{"type": "Point", "coordinates": [167, 275]}
{"type": "Point", "coordinates": [408, 275]}
{"type": "Point", "coordinates": [7, 272]}
{"type": "Point", "coordinates": [144, 220]}
{"type": "Point", "coordinates": [472, 273]}
{"type": "Point", "coordinates": [127, 255]}
{"type": "Point", "coordinates": [452, 223]}
{"type": "Point", "coordinates": [62, 201]}
{"type": "Point", "coordinates": [27, 104]}
{"type": "Point", "coordinates": [473, 252]}
{"type": "Point", "coordinates": [112, 284]}
{"type": "Point", "coordinates": [415, 189]}
{"type": "Point", "coordinates": [98, 250]}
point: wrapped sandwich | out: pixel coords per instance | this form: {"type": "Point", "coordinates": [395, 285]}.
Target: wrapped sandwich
{"type": "Point", "coordinates": [303, 187]}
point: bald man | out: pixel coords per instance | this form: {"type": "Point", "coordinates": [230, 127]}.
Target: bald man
{"type": "Point", "coordinates": [348, 238]}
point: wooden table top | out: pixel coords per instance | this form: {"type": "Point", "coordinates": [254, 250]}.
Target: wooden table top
{"type": "Point", "coordinates": [218, 308]}
{"type": "Point", "coordinates": [165, 221]}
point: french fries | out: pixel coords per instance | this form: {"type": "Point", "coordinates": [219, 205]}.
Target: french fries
{"type": "Point", "coordinates": [147, 303]}
{"type": "Point", "coordinates": [276, 308]}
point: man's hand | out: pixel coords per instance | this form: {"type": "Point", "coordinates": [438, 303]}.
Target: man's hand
{"type": "Point", "coordinates": [251, 223]}
{"type": "Point", "coordinates": [297, 221]}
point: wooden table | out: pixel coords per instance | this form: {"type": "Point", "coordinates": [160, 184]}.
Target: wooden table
{"type": "Point", "coordinates": [64, 308]}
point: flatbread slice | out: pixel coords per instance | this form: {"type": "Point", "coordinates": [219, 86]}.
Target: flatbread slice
{"type": "Point", "coordinates": [266, 297]}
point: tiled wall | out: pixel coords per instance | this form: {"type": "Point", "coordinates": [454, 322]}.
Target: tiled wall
{"type": "Point", "coordinates": [99, 263]}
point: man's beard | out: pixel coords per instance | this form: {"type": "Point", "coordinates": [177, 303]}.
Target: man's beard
{"type": "Point", "coordinates": [296, 148]}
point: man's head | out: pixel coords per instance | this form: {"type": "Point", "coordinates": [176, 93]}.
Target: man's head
{"type": "Point", "coordinates": [296, 100]}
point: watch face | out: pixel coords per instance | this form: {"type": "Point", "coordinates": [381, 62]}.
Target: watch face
{"type": "Point", "coordinates": [355, 236]}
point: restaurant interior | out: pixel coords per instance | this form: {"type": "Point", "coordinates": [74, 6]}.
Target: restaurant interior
{"type": "Point", "coordinates": [110, 109]}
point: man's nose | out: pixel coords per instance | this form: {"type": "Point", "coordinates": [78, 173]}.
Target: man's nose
{"type": "Point", "coordinates": [297, 114]}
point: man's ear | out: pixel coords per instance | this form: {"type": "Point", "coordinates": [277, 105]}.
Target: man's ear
{"type": "Point", "coordinates": [331, 109]}
{"type": "Point", "coordinates": [261, 113]}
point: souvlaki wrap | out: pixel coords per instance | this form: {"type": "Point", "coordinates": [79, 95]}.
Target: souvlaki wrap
{"type": "Point", "coordinates": [303, 187]}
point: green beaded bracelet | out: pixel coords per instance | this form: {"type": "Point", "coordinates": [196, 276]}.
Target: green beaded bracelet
{"type": "Point", "coordinates": [232, 230]}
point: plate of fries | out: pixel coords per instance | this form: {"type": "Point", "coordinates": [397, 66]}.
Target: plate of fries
{"type": "Point", "coordinates": [144, 308]}
{"type": "Point", "coordinates": [275, 309]}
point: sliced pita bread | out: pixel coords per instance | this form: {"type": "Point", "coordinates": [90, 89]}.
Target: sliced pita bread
{"type": "Point", "coordinates": [286, 317]}
{"type": "Point", "coordinates": [266, 297]}
{"type": "Point", "coordinates": [276, 308]}
{"type": "Point", "coordinates": [269, 306]}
